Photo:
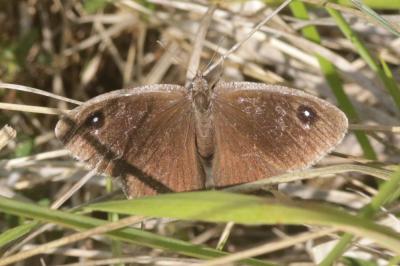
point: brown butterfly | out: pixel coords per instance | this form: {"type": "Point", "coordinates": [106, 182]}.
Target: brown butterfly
{"type": "Point", "coordinates": [168, 138]}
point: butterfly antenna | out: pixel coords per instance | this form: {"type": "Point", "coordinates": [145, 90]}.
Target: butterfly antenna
{"type": "Point", "coordinates": [216, 52]}
{"type": "Point", "coordinates": [239, 44]}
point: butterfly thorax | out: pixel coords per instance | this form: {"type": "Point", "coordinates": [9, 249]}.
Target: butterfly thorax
{"type": "Point", "coordinates": [201, 99]}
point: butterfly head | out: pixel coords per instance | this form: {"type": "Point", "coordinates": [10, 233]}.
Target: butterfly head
{"type": "Point", "coordinates": [200, 92]}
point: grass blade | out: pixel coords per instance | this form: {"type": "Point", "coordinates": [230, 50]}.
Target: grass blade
{"type": "Point", "coordinates": [366, 55]}
{"type": "Point", "coordinates": [214, 206]}
{"type": "Point", "coordinates": [385, 194]}
{"type": "Point", "coordinates": [332, 77]}
{"type": "Point", "coordinates": [135, 236]}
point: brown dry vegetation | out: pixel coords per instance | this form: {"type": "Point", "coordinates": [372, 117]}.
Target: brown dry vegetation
{"type": "Point", "coordinates": [80, 49]}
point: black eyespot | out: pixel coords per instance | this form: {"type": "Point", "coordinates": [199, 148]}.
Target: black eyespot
{"type": "Point", "coordinates": [306, 114]}
{"type": "Point", "coordinates": [95, 120]}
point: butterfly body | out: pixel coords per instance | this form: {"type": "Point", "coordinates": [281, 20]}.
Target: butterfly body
{"type": "Point", "coordinates": [201, 97]}
{"type": "Point", "coordinates": [161, 138]}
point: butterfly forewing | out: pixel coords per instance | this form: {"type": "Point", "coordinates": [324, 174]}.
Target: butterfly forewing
{"type": "Point", "coordinates": [144, 135]}
{"type": "Point", "coordinates": [264, 130]}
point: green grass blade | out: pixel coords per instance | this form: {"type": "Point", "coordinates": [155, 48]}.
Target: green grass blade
{"type": "Point", "coordinates": [384, 195]}
{"type": "Point", "coordinates": [392, 86]}
{"type": "Point", "coordinates": [381, 20]}
{"type": "Point", "coordinates": [214, 206]}
{"type": "Point", "coordinates": [332, 77]}
{"type": "Point", "coordinates": [395, 261]}
{"type": "Point", "coordinates": [349, 261]}
{"type": "Point", "coordinates": [135, 236]}
{"type": "Point", "coordinates": [116, 246]}
{"type": "Point", "coordinates": [375, 4]}
{"type": "Point", "coordinates": [14, 233]}
{"type": "Point", "coordinates": [365, 54]}
{"type": "Point", "coordinates": [334, 81]}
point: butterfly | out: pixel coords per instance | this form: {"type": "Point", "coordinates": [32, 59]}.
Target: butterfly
{"type": "Point", "coordinates": [169, 138]}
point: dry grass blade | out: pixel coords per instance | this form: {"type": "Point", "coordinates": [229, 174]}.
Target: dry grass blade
{"type": "Point", "coordinates": [71, 239]}
{"type": "Point", "coordinates": [31, 109]}
{"type": "Point", "coordinates": [311, 174]}
{"type": "Point", "coordinates": [225, 235]}
{"type": "Point", "coordinates": [30, 160]}
{"type": "Point", "coordinates": [68, 194]}
{"type": "Point", "coordinates": [7, 134]}
{"type": "Point", "coordinates": [37, 91]}
{"type": "Point", "coordinates": [249, 35]}
{"type": "Point", "coordinates": [377, 128]}
{"type": "Point", "coordinates": [162, 65]}
{"type": "Point", "coordinates": [194, 61]}
{"type": "Point", "coordinates": [145, 260]}
{"type": "Point", "coordinates": [269, 247]}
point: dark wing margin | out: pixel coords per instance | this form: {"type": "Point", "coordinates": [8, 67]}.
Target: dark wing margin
{"type": "Point", "coordinates": [264, 130]}
{"type": "Point", "coordinates": [147, 139]}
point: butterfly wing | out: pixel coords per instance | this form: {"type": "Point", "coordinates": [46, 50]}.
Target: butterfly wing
{"type": "Point", "coordinates": [264, 130]}
{"type": "Point", "coordinates": [144, 135]}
